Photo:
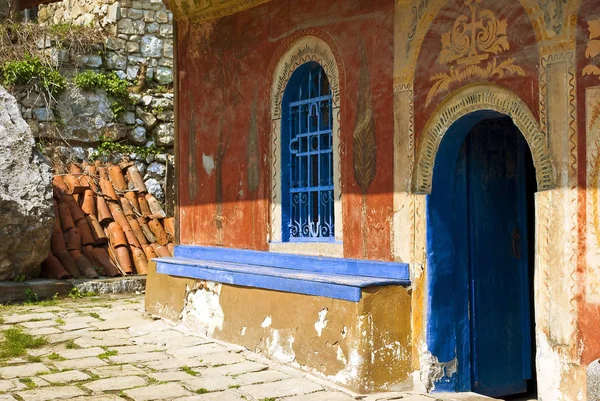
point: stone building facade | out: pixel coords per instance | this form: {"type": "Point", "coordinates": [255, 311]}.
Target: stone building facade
{"type": "Point", "coordinates": [465, 138]}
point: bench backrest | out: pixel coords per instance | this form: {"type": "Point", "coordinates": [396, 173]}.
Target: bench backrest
{"type": "Point", "coordinates": [354, 267]}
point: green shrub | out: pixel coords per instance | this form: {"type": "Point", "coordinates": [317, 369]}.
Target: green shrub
{"type": "Point", "coordinates": [108, 147]}
{"type": "Point", "coordinates": [31, 71]}
{"type": "Point", "coordinates": [114, 86]}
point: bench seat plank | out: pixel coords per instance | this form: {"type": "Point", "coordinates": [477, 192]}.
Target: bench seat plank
{"type": "Point", "coordinates": [350, 267]}
{"type": "Point", "coordinates": [329, 285]}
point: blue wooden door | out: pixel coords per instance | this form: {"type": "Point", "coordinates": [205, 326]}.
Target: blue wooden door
{"type": "Point", "coordinates": [499, 304]}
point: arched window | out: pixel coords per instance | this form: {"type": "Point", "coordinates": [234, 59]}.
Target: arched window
{"type": "Point", "coordinates": [307, 157]}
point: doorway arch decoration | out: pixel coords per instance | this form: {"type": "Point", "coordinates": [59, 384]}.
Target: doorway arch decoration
{"type": "Point", "coordinates": [476, 97]}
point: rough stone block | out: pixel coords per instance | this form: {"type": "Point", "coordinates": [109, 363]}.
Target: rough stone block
{"type": "Point", "coordinates": [151, 46]}
{"type": "Point", "coordinates": [116, 61]}
{"type": "Point", "coordinates": [152, 28]}
{"type": "Point", "coordinates": [25, 196]}
{"type": "Point", "coordinates": [166, 30]}
{"type": "Point", "coordinates": [135, 13]}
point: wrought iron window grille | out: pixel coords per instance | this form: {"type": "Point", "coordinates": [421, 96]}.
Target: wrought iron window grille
{"type": "Point", "coordinates": [310, 163]}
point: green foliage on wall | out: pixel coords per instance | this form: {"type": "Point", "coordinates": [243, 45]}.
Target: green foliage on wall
{"type": "Point", "coordinates": [114, 86]}
{"type": "Point", "coordinates": [31, 71]}
{"type": "Point", "coordinates": [108, 147]}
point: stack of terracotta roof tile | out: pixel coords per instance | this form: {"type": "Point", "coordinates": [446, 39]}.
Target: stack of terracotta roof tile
{"type": "Point", "coordinates": [106, 225]}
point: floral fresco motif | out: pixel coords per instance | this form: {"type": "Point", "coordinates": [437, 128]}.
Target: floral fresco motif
{"type": "Point", "coordinates": [593, 47]}
{"type": "Point", "coordinates": [470, 49]}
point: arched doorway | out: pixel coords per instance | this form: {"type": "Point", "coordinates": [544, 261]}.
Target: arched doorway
{"type": "Point", "coordinates": [480, 237]}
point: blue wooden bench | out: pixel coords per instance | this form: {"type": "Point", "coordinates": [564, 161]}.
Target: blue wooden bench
{"type": "Point", "coordinates": [320, 276]}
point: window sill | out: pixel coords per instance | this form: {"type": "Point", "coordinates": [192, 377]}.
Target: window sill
{"type": "Point", "coordinates": [331, 249]}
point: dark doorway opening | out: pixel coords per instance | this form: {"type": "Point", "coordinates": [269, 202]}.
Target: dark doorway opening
{"type": "Point", "coordinates": [481, 223]}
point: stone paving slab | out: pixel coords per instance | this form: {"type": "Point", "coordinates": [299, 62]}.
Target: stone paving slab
{"type": "Point", "coordinates": [283, 388]}
{"type": "Point", "coordinates": [114, 371]}
{"type": "Point", "coordinates": [323, 396]}
{"type": "Point", "coordinates": [51, 393]}
{"type": "Point", "coordinates": [158, 392]}
{"type": "Point", "coordinates": [66, 377]}
{"type": "Point", "coordinates": [115, 383]}
{"type": "Point", "coordinates": [81, 353]}
{"type": "Point", "coordinates": [220, 396]}
{"type": "Point", "coordinates": [83, 363]}
{"type": "Point", "coordinates": [146, 359]}
{"type": "Point", "coordinates": [39, 324]}
{"type": "Point", "coordinates": [27, 370]}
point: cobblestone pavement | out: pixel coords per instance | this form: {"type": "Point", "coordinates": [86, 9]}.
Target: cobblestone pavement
{"type": "Point", "coordinates": [108, 348]}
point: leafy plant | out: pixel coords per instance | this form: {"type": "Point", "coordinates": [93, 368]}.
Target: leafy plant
{"type": "Point", "coordinates": [31, 71]}
{"type": "Point", "coordinates": [31, 295]}
{"type": "Point", "coordinates": [108, 147]}
{"type": "Point", "coordinates": [114, 86]}
{"type": "Point", "coordinates": [75, 293]}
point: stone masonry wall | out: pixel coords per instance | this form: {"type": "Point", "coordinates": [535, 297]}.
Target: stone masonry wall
{"type": "Point", "coordinates": [139, 48]}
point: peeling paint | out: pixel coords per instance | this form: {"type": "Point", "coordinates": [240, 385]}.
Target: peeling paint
{"type": "Point", "coordinates": [547, 362]}
{"type": "Point", "coordinates": [208, 162]}
{"type": "Point", "coordinates": [432, 370]}
{"type": "Point", "coordinates": [351, 369]}
{"type": "Point", "coordinates": [243, 331]}
{"type": "Point", "coordinates": [267, 322]}
{"type": "Point", "coordinates": [344, 332]}
{"type": "Point", "coordinates": [281, 350]}
{"type": "Point", "coordinates": [340, 355]}
{"type": "Point", "coordinates": [202, 310]}
{"type": "Point", "coordinates": [321, 322]}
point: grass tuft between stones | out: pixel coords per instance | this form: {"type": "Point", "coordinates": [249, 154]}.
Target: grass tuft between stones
{"type": "Point", "coordinates": [70, 344]}
{"type": "Point", "coordinates": [108, 354]}
{"type": "Point", "coordinates": [16, 343]}
{"type": "Point", "coordinates": [202, 391]}
{"type": "Point", "coordinates": [28, 381]}
{"type": "Point", "coordinates": [55, 357]}
{"type": "Point", "coordinates": [189, 371]}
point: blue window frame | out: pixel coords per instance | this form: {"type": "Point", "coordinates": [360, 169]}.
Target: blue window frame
{"type": "Point", "coordinates": [307, 157]}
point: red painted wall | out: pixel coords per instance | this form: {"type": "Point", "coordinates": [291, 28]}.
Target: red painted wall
{"type": "Point", "coordinates": [224, 120]}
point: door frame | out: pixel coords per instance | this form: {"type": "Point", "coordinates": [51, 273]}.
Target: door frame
{"type": "Point", "coordinates": [448, 329]}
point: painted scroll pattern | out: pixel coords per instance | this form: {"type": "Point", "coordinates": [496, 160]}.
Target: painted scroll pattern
{"type": "Point", "coordinates": [554, 11]}
{"type": "Point", "coordinates": [199, 11]}
{"type": "Point", "coordinates": [592, 289]}
{"type": "Point", "coordinates": [470, 50]}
